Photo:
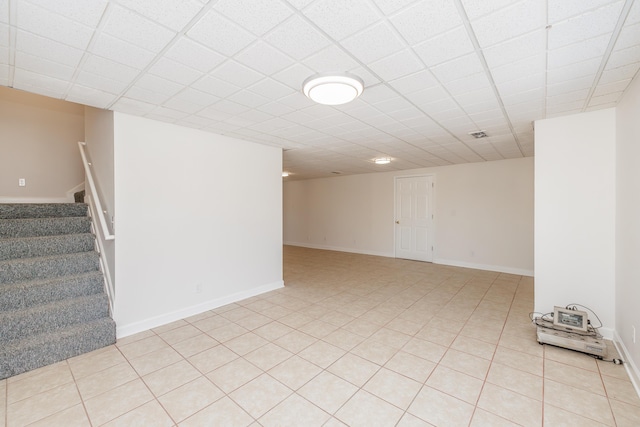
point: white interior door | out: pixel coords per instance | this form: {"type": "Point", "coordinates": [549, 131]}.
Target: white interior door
{"type": "Point", "coordinates": [414, 218]}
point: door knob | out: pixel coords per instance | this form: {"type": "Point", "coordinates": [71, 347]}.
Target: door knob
{"type": "Point", "coordinates": [397, 222]}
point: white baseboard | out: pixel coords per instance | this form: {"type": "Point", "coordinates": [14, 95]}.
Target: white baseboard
{"type": "Point", "coordinates": [629, 364]}
{"type": "Point", "coordinates": [340, 249]}
{"type": "Point", "coordinates": [37, 199]}
{"type": "Point", "coordinates": [499, 268]}
{"type": "Point", "coordinates": [153, 322]}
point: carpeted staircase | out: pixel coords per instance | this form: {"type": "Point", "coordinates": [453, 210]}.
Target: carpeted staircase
{"type": "Point", "coordinates": [52, 300]}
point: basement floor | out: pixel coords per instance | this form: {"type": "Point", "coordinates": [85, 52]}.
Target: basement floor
{"type": "Point", "coordinates": [351, 340]}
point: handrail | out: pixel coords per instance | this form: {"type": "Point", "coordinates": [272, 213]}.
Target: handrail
{"type": "Point", "coordinates": [96, 199]}
{"type": "Point", "coordinates": [103, 258]}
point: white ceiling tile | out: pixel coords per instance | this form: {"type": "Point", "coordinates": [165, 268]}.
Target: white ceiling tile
{"type": "Point", "coordinates": [366, 75]}
{"type": "Point", "coordinates": [587, 25]}
{"type": "Point", "coordinates": [236, 74]}
{"type": "Point", "coordinates": [274, 90]}
{"type": "Point", "coordinates": [522, 85]}
{"type": "Point", "coordinates": [248, 99]}
{"type": "Point", "coordinates": [39, 83]}
{"type": "Point", "coordinates": [194, 96]}
{"type": "Point", "coordinates": [4, 60]}
{"type": "Point", "coordinates": [634, 14]}
{"type": "Point", "coordinates": [229, 107]}
{"type": "Point", "coordinates": [605, 99]}
{"type": "Point", "coordinates": [109, 69]}
{"type": "Point", "coordinates": [579, 95]}
{"type": "Point", "coordinates": [604, 89]}
{"type": "Point", "coordinates": [397, 65]}
{"type": "Point", "coordinates": [340, 18]}
{"type": "Point", "coordinates": [615, 74]}
{"type": "Point", "coordinates": [213, 113]}
{"type": "Point", "coordinates": [529, 66]}
{"type": "Point", "coordinates": [468, 83]}
{"type": "Point", "coordinates": [296, 100]}
{"type": "Point", "coordinates": [390, 6]}
{"type": "Point", "coordinates": [623, 57]}
{"type": "Point", "coordinates": [458, 68]}
{"type": "Point", "coordinates": [4, 35]}
{"type": "Point", "coordinates": [261, 56]}
{"type": "Point", "coordinates": [426, 19]}
{"type": "Point", "coordinates": [43, 66]}
{"type": "Point", "coordinates": [171, 13]}
{"type": "Point", "coordinates": [578, 52]}
{"type": "Point", "coordinates": [520, 48]}
{"type": "Point", "coordinates": [297, 38]}
{"type": "Point", "coordinates": [104, 84]}
{"type": "Point", "coordinates": [478, 8]}
{"type": "Point", "coordinates": [158, 85]}
{"type": "Point", "coordinates": [473, 97]}
{"type": "Point", "coordinates": [573, 71]}
{"type": "Point", "coordinates": [90, 96]}
{"type": "Point", "coordinates": [275, 108]}
{"type": "Point", "coordinates": [133, 28]}
{"type": "Point", "coordinates": [509, 22]}
{"type": "Point", "coordinates": [87, 12]}
{"type": "Point", "coordinates": [373, 43]}
{"type": "Point", "coordinates": [571, 107]}
{"type": "Point", "coordinates": [428, 95]}
{"type": "Point", "coordinates": [257, 16]}
{"type": "Point", "coordinates": [194, 55]}
{"type": "Point", "coordinates": [485, 104]}
{"type": "Point", "coordinates": [174, 71]}
{"type": "Point", "coordinates": [145, 95]}
{"type": "Point", "coordinates": [378, 94]}
{"type": "Point", "coordinates": [53, 26]}
{"type": "Point", "coordinates": [570, 85]}
{"type": "Point", "coordinates": [218, 33]}
{"type": "Point", "coordinates": [196, 121]}
{"type": "Point", "coordinates": [121, 51]}
{"type": "Point", "coordinates": [331, 58]}
{"type": "Point", "coordinates": [184, 106]}
{"type": "Point", "coordinates": [536, 95]}
{"type": "Point", "coordinates": [445, 47]}
{"type": "Point", "coordinates": [4, 11]}
{"type": "Point", "coordinates": [294, 76]}
{"type": "Point", "coordinates": [561, 10]}
{"type": "Point", "coordinates": [132, 106]}
{"type": "Point", "coordinates": [629, 36]}
{"type": "Point", "coordinates": [48, 49]}
{"type": "Point", "coordinates": [413, 82]}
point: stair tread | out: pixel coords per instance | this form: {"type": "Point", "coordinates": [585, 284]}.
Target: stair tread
{"type": "Point", "coordinates": [49, 280]}
{"type": "Point", "coordinates": [50, 257]}
{"type": "Point", "coordinates": [53, 304]}
{"type": "Point", "coordinates": [42, 210]}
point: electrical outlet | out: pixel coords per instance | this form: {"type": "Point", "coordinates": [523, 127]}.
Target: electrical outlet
{"type": "Point", "coordinates": [22, 182]}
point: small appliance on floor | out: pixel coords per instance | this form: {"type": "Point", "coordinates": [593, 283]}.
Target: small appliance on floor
{"type": "Point", "coordinates": [570, 328]}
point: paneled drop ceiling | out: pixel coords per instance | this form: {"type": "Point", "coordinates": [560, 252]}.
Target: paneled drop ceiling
{"type": "Point", "coordinates": [434, 70]}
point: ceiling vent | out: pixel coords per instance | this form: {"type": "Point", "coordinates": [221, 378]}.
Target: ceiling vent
{"type": "Point", "coordinates": [479, 134]}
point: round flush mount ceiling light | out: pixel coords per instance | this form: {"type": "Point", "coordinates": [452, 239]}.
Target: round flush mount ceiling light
{"type": "Point", "coordinates": [382, 161]}
{"type": "Point", "coordinates": [332, 88]}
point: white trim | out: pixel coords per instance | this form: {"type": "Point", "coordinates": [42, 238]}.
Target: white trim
{"type": "Point", "coordinates": [340, 249]}
{"type": "Point", "coordinates": [630, 366]}
{"type": "Point", "coordinates": [498, 268]}
{"type": "Point", "coordinates": [36, 199]}
{"type": "Point", "coordinates": [106, 233]}
{"type": "Point", "coordinates": [153, 322]}
{"type": "Point", "coordinates": [71, 193]}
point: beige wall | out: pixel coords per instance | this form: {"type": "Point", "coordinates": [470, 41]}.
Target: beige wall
{"type": "Point", "coordinates": [483, 214]}
{"type": "Point", "coordinates": [39, 142]}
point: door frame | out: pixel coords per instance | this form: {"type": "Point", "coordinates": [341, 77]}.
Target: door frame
{"type": "Point", "coordinates": [432, 204]}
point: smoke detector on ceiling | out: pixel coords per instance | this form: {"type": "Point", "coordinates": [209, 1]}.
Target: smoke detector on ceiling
{"type": "Point", "coordinates": [479, 134]}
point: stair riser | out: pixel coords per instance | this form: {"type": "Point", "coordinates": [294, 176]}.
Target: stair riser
{"type": "Point", "coordinates": [50, 348]}
{"type": "Point", "coordinates": [21, 296]}
{"type": "Point", "coordinates": [14, 271]}
{"type": "Point", "coordinates": [42, 210]}
{"type": "Point", "coordinates": [48, 245]}
{"type": "Point", "coordinates": [52, 317]}
{"type": "Point", "coordinates": [11, 228]}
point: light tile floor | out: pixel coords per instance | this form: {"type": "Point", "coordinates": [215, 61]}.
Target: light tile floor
{"type": "Point", "coordinates": [351, 340]}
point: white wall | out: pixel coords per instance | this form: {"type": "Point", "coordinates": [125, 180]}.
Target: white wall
{"type": "Point", "coordinates": [196, 211]}
{"type": "Point", "coordinates": [39, 142]}
{"type": "Point", "coordinates": [627, 223]}
{"type": "Point", "coordinates": [483, 214]}
{"type": "Point", "coordinates": [575, 213]}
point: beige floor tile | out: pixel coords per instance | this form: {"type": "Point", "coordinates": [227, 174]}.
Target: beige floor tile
{"type": "Point", "coordinates": [268, 356]}
{"type": "Point", "coordinates": [42, 405]}
{"type": "Point", "coordinates": [578, 401]}
{"type": "Point", "coordinates": [474, 347]}
{"type": "Point", "coordinates": [390, 337]}
{"type": "Point", "coordinates": [365, 409]}
{"type": "Point", "coordinates": [440, 409]}
{"type": "Point", "coordinates": [90, 363]}
{"type": "Point", "coordinates": [194, 345]}
{"type": "Point", "coordinates": [188, 399]}
{"type": "Point", "coordinates": [227, 332]}
{"type": "Point", "coordinates": [105, 380]}
{"type": "Point", "coordinates": [295, 372]}
{"type": "Point", "coordinates": [254, 321]}
{"type": "Point", "coordinates": [328, 391]}
{"type": "Point", "coordinates": [170, 326]}
{"type": "Point", "coordinates": [234, 374]}
{"type": "Point", "coordinates": [354, 369]}
{"type": "Point", "coordinates": [570, 357]}
{"type": "Point", "coordinates": [334, 422]}
{"type": "Point", "coordinates": [295, 341]}
{"type": "Point", "coordinates": [374, 351]}
{"type": "Point", "coordinates": [411, 366]}
{"type": "Point", "coordinates": [40, 380]}
{"type": "Point", "coordinates": [554, 416]}
{"type": "Point", "coordinates": [155, 360]}
{"type": "Point", "coordinates": [211, 322]}
{"type": "Point", "coordinates": [245, 343]}
{"type": "Point", "coordinates": [405, 326]}
{"type": "Point", "coordinates": [294, 411]}
{"type": "Point", "coordinates": [322, 354]}
{"type": "Point", "coordinates": [393, 388]}
{"type": "Point", "coordinates": [117, 402]}
{"type": "Point", "coordinates": [3, 402]}
{"type": "Point", "coordinates": [273, 330]}
{"type": "Point", "coordinates": [344, 339]}
{"type": "Point", "coordinates": [260, 395]}
{"type": "Point", "coordinates": [149, 414]}
{"type": "Point", "coordinates": [295, 320]}
{"type": "Point", "coordinates": [224, 412]}
{"type": "Point", "coordinates": [482, 418]}
{"type": "Point", "coordinates": [577, 377]}
{"type": "Point", "coordinates": [208, 360]}
{"type": "Point", "coordinates": [74, 416]}
{"type": "Point", "coordinates": [409, 420]}
{"type": "Point", "coordinates": [143, 346]}
{"type": "Point", "coordinates": [135, 337]}
{"type": "Point", "coordinates": [201, 316]}
{"type": "Point", "coordinates": [362, 327]}
{"type": "Point", "coordinates": [456, 384]}
{"type": "Point", "coordinates": [466, 363]}
{"type": "Point", "coordinates": [519, 360]}
{"type": "Point", "coordinates": [427, 350]}
{"type": "Point", "coordinates": [516, 380]}
{"type": "Point", "coordinates": [236, 313]}
{"type": "Point", "coordinates": [181, 333]}
{"type": "Point", "coordinates": [173, 376]}
{"type": "Point", "coordinates": [336, 318]}
{"type": "Point", "coordinates": [276, 312]}
{"type": "Point", "coordinates": [318, 328]}
{"type": "Point", "coordinates": [511, 406]}
{"type": "Point", "coordinates": [625, 414]}
{"type": "Point", "coordinates": [622, 390]}
{"type": "Point", "coordinates": [522, 344]}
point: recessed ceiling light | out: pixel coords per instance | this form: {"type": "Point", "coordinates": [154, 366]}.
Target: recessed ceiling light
{"type": "Point", "coordinates": [382, 161]}
{"type": "Point", "coordinates": [479, 134]}
{"type": "Point", "coordinates": [332, 88]}
{"type": "Point", "coordinates": [285, 174]}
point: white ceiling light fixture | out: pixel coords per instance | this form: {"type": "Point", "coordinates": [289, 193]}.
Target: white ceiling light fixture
{"type": "Point", "coordinates": [333, 88]}
{"type": "Point", "coordinates": [382, 161]}
{"type": "Point", "coordinates": [285, 174]}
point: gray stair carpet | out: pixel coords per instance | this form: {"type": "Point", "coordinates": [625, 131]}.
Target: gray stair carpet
{"type": "Point", "coordinates": [52, 300]}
